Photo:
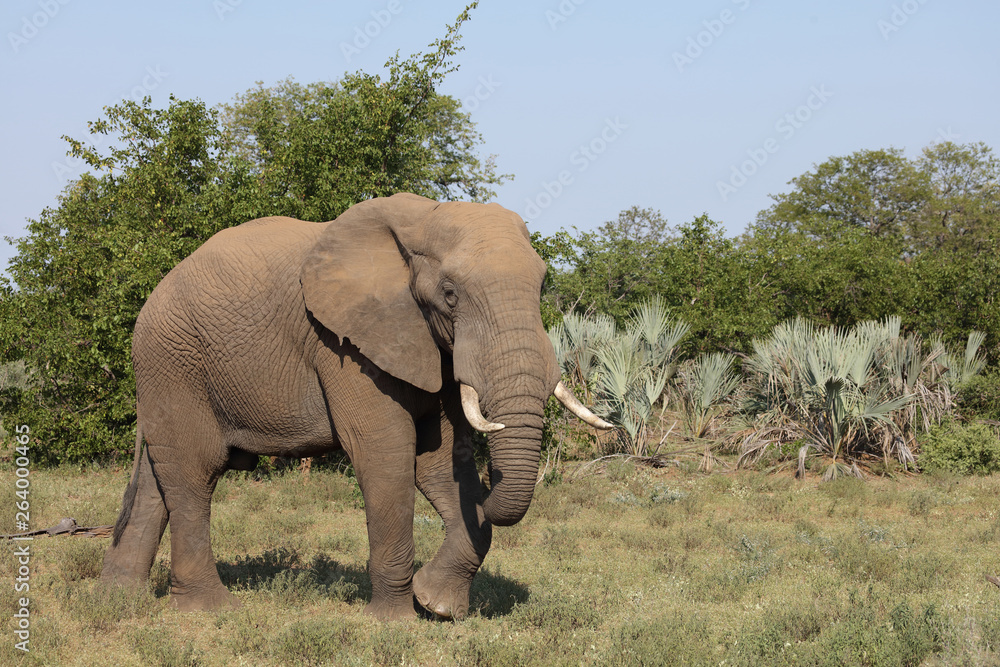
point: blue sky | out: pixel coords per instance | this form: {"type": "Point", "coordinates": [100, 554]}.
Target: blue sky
{"type": "Point", "coordinates": [594, 106]}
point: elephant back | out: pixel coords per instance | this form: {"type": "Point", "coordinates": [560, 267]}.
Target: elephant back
{"type": "Point", "coordinates": [240, 280]}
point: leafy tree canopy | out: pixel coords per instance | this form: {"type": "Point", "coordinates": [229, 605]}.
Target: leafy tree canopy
{"type": "Point", "coordinates": [946, 198]}
{"type": "Point", "coordinates": [838, 280]}
{"type": "Point", "coordinates": [874, 190]}
{"type": "Point", "coordinates": [875, 234]}
{"type": "Point", "coordinates": [610, 268]}
{"type": "Point", "coordinates": [964, 211]}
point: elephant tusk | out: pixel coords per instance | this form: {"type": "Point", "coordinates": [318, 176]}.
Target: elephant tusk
{"type": "Point", "coordinates": [470, 406]}
{"type": "Point", "coordinates": [574, 405]}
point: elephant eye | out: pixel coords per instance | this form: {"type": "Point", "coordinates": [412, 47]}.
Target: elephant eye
{"type": "Point", "coordinates": [450, 296]}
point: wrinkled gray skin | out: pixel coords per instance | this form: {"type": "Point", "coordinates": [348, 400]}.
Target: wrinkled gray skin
{"type": "Point", "coordinates": [290, 338]}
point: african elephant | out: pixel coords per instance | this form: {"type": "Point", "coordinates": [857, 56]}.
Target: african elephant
{"type": "Point", "coordinates": [388, 332]}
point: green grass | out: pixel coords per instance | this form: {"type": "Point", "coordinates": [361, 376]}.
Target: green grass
{"type": "Point", "coordinates": [633, 567]}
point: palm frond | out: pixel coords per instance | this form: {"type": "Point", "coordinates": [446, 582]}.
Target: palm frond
{"type": "Point", "coordinates": [706, 383]}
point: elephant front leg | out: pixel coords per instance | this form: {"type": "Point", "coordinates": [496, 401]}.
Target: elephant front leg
{"type": "Point", "coordinates": [387, 486]}
{"type": "Point", "coordinates": [446, 475]}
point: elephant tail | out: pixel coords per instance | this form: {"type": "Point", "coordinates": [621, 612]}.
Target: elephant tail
{"type": "Point", "coordinates": [129, 499]}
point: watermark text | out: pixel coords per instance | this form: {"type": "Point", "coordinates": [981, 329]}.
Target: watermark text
{"type": "Point", "coordinates": [559, 15]}
{"type": "Point", "coordinates": [581, 158]}
{"type": "Point", "coordinates": [363, 35]}
{"type": "Point", "coordinates": [899, 17]}
{"type": "Point", "coordinates": [785, 127]}
{"type": "Point", "coordinates": [223, 7]}
{"type": "Point", "coordinates": [31, 25]}
{"type": "Point", "coordinates": [22, 550]}
{"type": "Point", "coordinates": [713, 29]}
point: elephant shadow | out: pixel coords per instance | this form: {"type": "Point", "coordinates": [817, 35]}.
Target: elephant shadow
{"type": "Point", "coordinates": [282, 572]}
{"type": "Point", "coordinates": [494, 595]}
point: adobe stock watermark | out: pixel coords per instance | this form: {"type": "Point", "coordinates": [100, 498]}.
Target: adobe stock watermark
{"type": "Point", "coordinates": [71, 167]}
{"type": "Point", "coordinates": [898, 17]}
{"type": "Point", "coordinates": [484, 91]}
{"type": "Point", "coordinates": [223, 7]}
{"type": "Point", "coordinates": [32, 24]}
{"type": "Point", "coordinates": [714, 27]}
{"type": "Point", "coordinates": [561, 13]}
{"type": "Point", "coordinates": [581, 158]}
{"type": "Point", "coordinates": [786, 127]}
{"type": "Point", "coordinates": [363, 35]}
{"type": "Point", "coordinates": [22, 552]}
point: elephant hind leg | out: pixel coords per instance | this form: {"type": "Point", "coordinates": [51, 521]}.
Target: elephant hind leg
{"type": "Point", "coordinates": [138, 531]}
{"type": "Point", "coordinates": [194, 578]}
{"type": "Point", "coordinates": [188, 457]}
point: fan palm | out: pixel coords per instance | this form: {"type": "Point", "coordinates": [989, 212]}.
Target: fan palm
{"type": "Point", "coordinates": [576, 340]}
{"type": "Point", "coordinates": [624, 373]}
{"type": "Point", "coordinates": [829, 388]}
{"type": "Point", "coordinates": [709, 381]}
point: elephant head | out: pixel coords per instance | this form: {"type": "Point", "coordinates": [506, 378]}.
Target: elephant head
{"type": "Point", "coordinates": [404, 278]}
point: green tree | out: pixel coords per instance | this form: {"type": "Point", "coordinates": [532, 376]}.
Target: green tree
{"type": "Point", "coordinates": [874, 234]}
{"type": "Point", "coordinates": [176, 176]}
{"type": "Point", "coordinates": [955, 292]}
{"type": "Point", "coordinates": [314, 150]}
{"type": "Point", "coordinates": [946, 198]}
{"type": "Point", "coordinates": [85, 268]}
{"type": "Point", "coordinates": [963, 212]}
{"type": "Point", "coordinates": [879, 191]}
{"type": "Point", "coordinates": [703, 277]}
{"type": "Point", "coordinates": [837, 280]}
{"type": "Point", "coordinates": [711, 283]}
{"type": "Point", "coordinates": [557, 252]}
{"type": "Point", "coordinates": [609, 270]}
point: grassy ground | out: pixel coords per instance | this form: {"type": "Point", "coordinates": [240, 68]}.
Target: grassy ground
{"type": "Point", "coordinates": [631, 567]}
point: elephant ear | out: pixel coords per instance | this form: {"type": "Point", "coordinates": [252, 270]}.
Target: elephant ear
{"type": "Point", "coordinates": [356, 282]}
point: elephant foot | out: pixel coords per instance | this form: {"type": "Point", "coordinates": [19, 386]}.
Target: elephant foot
{"type": "Point", "coordinates": [391, 612]}
{"type": "Point", "coordinates": [215, 599]}
{"type": "Point", "coordinates": [441, 595]}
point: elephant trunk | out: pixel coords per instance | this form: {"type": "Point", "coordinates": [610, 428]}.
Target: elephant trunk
{"type": "Point", "coordinates": [515, 398]}
{"type": "Point", "coordinates": [512, 366]}
{"type": "Point", "coordinates": [514, 457]}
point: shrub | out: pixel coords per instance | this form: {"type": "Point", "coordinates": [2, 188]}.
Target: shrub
{"type": "Point", "coordinates": [979, 397]}
{"type": "Point", "coordinates": [968, 449]}
{"type": "Point", "coordinates": [82, 559]}
{"type": "Point", "coordinates": [848, 393]}
{"type": "Point", "coordinates": [481, 650]}
{"type": "Point", "coordinates": [868, 636]}
{"type": "Point", "coordinates": [158, 649]}
{"type": "Point", "coordinates": [871, 630]}
{"type": "Point", "coordinates": [313, 642]}
{"type": "Point", "coordinates": [102, 609]}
